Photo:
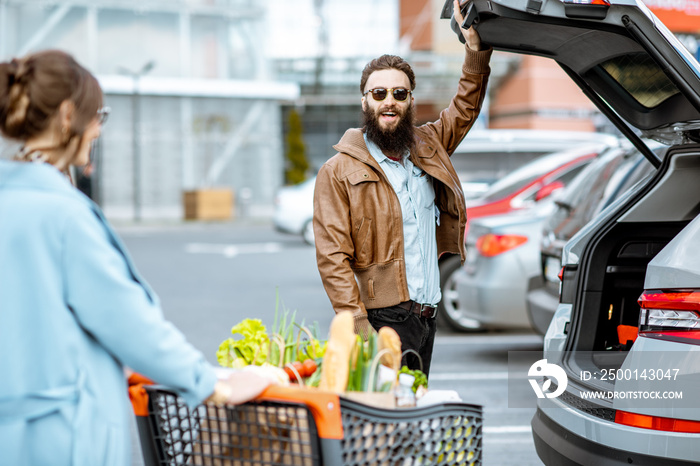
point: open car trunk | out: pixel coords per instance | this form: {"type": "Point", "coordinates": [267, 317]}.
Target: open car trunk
{"type": "Point", "coordinates": [632, 68]}
{"type": "Point", "coordinates": [609, 278]}
{"type": "Point", "coordinates": [638, 75]}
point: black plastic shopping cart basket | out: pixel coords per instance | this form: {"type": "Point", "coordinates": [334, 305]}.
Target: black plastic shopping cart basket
{"type": "Point", "coordinates": [301, 426]}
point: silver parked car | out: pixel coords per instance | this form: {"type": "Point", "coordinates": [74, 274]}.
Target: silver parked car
{"type": "Point", "coordinates": [521, 189]}
{"type": "Point", "coordinates": [502, 252]}
{"type": "Point", "coordinates": [624, 337]}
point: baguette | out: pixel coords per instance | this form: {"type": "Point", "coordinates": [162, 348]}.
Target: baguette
{"type": "Point", "coordinates": [390, 340]}
{"type": "Point", "coordinates": [336, 361]}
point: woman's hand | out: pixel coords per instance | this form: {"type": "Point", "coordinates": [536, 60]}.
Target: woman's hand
{"type": "Point", "coordinates": [470, 35]}
{"type": "Point", "coordinates": [238, 388]}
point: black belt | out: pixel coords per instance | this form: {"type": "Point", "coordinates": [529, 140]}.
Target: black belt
{"type": "Point", "coordinates": [423, 310]}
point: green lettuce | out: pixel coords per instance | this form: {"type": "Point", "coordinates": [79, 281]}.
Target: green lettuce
{"type": "Point", "coordinates": [251, 349]}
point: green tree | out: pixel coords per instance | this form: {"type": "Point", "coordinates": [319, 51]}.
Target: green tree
{"type": "Point", "coordinates": [297, 163]}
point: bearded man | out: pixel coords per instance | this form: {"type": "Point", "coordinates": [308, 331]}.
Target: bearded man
{"type": "Point", "coordinates": [389, 203]}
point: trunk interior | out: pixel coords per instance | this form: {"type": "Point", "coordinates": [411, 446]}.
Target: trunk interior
{"type": "Point", "coordinates": [613, 267]}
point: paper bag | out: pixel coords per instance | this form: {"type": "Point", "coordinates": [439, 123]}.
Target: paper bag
{"type": "Point", "coordinates": [377, 399]}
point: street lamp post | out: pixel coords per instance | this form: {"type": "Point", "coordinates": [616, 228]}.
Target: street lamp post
{"type": "Point", "coordinates": [136, 124]}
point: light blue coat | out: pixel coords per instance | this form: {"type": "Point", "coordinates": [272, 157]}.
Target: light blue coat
{"type": "Point", "coordinates": [73, 312]}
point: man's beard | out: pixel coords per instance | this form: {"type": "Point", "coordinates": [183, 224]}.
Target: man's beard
{"type": "Point", "coordinates": [394, 142]}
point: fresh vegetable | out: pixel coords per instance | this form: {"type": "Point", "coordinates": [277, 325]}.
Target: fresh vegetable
{"type": "Point", "coordinates": [287, 348]}
{"type": "Point", "coordinates": [366, 358]}
{"type": "Point", "coordinates": [311, 347]}
{"type": "Point", "coordinates": [309, 367]}
{"type": "Point", "coordinates": [251, 349]}
{"type": "Point", "coordinates": [357, 364]}
{"type": "Point", "coordinates": [420, 379]}
{"type": "Point", "coordinates": [284, 345]}
{"type": "Point", "coordinates": [315, 379]}
{"type": "Point", "coordinates": [283, 333]}
{"type": "Point", "coordinates": [292, 369]}
{"type": "Point", "coordinates": [304, 370]}
{"type": "Point", "coordinates": [335, 366]}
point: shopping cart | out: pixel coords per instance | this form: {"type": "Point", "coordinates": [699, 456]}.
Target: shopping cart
{"type": "Point", "coordinates": [297, 426]}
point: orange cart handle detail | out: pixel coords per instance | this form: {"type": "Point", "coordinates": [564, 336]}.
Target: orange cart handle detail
{"type": "Point", "coordinates": [138, 394]}
{"type": "Point", "coordinates": [324, 407]}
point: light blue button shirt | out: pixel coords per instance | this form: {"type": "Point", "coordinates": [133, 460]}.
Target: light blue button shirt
{"type": "Point", "coordinates": [416, 194]}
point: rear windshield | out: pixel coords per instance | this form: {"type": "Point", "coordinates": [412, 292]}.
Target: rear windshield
{"type": "Point", "coordinates": [641, 77]}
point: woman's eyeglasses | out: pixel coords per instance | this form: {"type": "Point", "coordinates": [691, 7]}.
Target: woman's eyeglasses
{"type": "Point", "coordinates": [103, 114]}
{"type": "Point", "coordinates": [400, 94]}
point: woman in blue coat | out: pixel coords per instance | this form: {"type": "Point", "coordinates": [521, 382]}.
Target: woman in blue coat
{"type": "Point", "coordinates": [73, 310]}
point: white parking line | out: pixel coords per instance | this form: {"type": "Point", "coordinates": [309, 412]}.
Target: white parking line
{"type": "Point", "coordinates": [446, 376]}
{"type": "Point", "coordinates": [499, 339]}
{"type": "Point", "coordinates": [509, 440]}
{"type": "Point", "coordinates": [522, 429]}
{"type": "Point", "coordinates": [233, 250]}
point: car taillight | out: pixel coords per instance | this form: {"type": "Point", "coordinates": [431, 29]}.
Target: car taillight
{"type": "Point", "coordinates": [491, 245]}
{"type": "Point", "coordinates": [586, 2]}
{"type": "Point", "coordinates": [671, 315]}
{"type": "Point", "coordinates": [656, 423]}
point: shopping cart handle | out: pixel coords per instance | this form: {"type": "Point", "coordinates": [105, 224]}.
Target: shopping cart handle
{"type": "Point", "coordinates": [324, 406]}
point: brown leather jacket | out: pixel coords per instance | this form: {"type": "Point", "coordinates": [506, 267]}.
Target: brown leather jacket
{"type": "Point", "coordinates": [357, 221]}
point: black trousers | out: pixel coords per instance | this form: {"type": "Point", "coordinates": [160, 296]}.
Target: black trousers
{"type": "Point", "coordinates": [416, 333]}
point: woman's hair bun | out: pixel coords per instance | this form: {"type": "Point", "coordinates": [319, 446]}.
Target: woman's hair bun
{"type": "Point", "coordinates": [14, 100]}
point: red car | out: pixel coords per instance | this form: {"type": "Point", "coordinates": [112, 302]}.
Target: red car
{"type": "Point", "coordinates": [536, 180]}
{"type": "Point", "coordinates": [522, 188]}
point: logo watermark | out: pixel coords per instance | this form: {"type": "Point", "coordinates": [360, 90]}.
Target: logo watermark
{"type": "Point", "coordinates": [541, 369]}
{"type": "Point", "coordinates": [605, 379]}
{"type": "Point", "coordinates": [630, 395]}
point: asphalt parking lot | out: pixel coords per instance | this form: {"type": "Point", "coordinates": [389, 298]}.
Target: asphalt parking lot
{"type": "Point", "coordinates": [211, 276]}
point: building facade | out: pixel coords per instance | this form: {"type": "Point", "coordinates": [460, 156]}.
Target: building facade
{"type": "Point", "coordinates": [194, 103]}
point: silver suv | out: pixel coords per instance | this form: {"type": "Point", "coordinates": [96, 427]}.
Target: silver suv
{"type": "Point", "coordinates": [626, 332]}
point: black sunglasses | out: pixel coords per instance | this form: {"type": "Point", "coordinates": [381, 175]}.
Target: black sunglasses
{"type": "Point", "coordinates": [400, 94]}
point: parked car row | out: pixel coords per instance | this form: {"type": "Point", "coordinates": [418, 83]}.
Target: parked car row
{"type": "Point", "coordinates": [629, 300]}
{"type": "Point", "coordinates": [486, 156]}
{"type": "Point", "coordinates": [520, 190]}
{"type": "Point", "coordinates": [602, 184]}
{"type": "Point", "coordinates": [510, 278]}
